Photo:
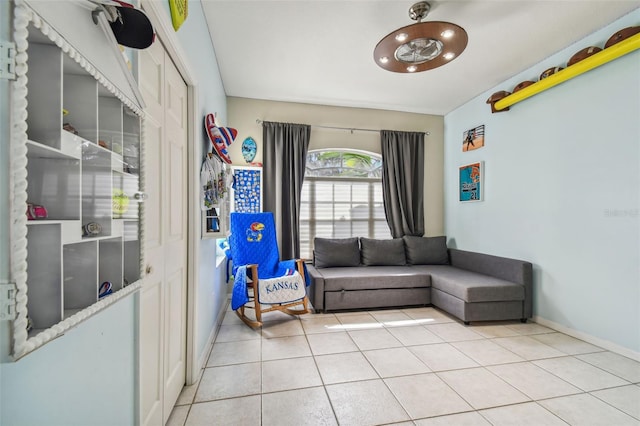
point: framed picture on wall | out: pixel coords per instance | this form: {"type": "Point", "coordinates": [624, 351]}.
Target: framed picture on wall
{"type": "Point", "coordinates": [471, 186]}
{"type": "Point", "coordinates": [246, 191]}
{"type": "Point", "coordinates": [473, 138]}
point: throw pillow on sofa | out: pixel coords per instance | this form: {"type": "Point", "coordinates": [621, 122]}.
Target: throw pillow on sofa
{"type": "Point", "coordinates": [334, 252]}
{"type": "Point", "coordinates": [426, 251]}
{"type": "Point", "coordinates": [382, 252]}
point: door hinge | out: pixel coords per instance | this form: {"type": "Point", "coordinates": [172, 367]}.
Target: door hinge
{"type": "Point", "coordinates": [7, 301]}
{"type": "Point", "coordinates": [7, 60]}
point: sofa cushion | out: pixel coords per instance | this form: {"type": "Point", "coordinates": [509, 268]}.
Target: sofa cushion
{"type": "Point", "coordinates": [473, 287]}
{"type": "Point", "coordinates": [426, 251]}
{"type": "Point", "coordinates": [382, 252]}
{"type": "Point", "coordinates": [334, 252]}
{"type": "Point", "coordinates": [374, 277]}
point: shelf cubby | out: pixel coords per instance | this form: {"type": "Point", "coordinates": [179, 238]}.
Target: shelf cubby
{"type": "Point", "coordinates": [110, 123]}
{"type": "Point", "coordinates": [131, 251]}
{"type": "Point", "coordinates": [111, 260]}
{"type": "Point", "coordinates": [80, 271]}
{"type": "Point", "coordinates": [55, 184]}
{"type": "Point", "coordinates": [80, 100]}
{"type": "Point", "coordinates": [125, 204]}
{"type": "Point", "coordinates": [97, 204]}
{"type": "Point", "coordinates": [212, 220]}
{"type": "Point", "coordinates": [44, 269]}
{"type": "Point", "coordinates": [44, 98]}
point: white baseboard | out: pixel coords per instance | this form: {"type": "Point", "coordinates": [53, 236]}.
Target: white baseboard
{"type": "Point", "coordinates": [605, 344]}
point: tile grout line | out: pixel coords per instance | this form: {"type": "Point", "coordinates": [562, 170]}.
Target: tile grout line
{"type": "Point", "coordinates": [614, 407]}
{"type": "Point", "coordinates": [404, 346]}
{"type": "Point", "coordinates": [382, 378]}
{"type": "Point", "coordinates": [324, 385]}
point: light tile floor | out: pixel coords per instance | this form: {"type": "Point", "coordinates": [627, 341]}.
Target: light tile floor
{"type": "Point", "coordinates": [406, 367]}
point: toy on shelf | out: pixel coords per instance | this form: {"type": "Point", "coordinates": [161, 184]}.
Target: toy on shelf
{"type": "Point", "coordinates": [495, 98]}
{"type": "Point", "coordinates": [106, 288]}
{"type": "Point", "coordinates": [583, 54]}
{"type": "Point", "coordinates": [35, 211]}
{"type": "Point", "coordinates": [621, 35]}
{"type": "Point", "coordinates": [549, 72]}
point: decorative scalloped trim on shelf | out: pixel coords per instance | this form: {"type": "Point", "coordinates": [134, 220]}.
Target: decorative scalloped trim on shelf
{"type": "Point", "coordinates": [606, 55]}
{"type": "Point", "coordinates": [18, 183]}
{"type": "Point", "coordinates": [22, 344]}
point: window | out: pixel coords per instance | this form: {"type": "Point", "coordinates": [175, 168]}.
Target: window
{"type": "Point", "coordinates": [341, 197]}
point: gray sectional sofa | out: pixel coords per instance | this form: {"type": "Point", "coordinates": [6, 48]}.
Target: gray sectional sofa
{"type": "Point", "coordinates": [362, 273]}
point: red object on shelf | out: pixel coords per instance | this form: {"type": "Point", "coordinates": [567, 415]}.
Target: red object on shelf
{"type": "Point", "coordinates": [35, 211]}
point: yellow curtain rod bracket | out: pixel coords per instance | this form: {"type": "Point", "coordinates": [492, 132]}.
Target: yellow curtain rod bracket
{"type": "Point", "coordinates": [594, 61]}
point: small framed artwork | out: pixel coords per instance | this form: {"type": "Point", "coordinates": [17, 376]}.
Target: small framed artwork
{"type": "Point", "coordinates": [473, 139]}
{"type": "Point", "coordinates": [471, 185]}
{"type": "Point", "coordinates": [246, 191]}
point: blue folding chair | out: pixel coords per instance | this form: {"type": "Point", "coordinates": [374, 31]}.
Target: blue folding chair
{"type": "Point", "coordinates": [261, 281]}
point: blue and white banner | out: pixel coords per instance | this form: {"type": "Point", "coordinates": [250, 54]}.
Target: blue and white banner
{"type": "Point", "coordinates": [288, 288]}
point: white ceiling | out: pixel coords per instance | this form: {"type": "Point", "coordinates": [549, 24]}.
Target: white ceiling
{"type": "Point", "coordinates": [321, 52]}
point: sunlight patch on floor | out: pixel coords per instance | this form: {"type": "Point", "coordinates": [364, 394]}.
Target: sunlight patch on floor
{"type": "Point", "coordinates": [372, 325]}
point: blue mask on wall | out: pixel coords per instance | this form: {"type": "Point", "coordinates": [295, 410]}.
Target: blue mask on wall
{"type": "Point", "coordinates": [249, 149]}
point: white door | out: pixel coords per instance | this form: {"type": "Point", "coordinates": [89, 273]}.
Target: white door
{"type": "Point", "coordinates": [163, 296]}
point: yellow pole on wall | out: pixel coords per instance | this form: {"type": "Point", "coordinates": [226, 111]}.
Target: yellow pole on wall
{"type": "Point", "coordinates": [606, 55]}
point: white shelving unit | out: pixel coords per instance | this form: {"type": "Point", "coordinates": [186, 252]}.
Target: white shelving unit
{"type": "Point", "coordinates": [89, 177]}
{"type": "Point", "coordinates": [215, 221]}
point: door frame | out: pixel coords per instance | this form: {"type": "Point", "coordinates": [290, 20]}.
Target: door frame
{"type": "Point", "coordinates": [164, 31]}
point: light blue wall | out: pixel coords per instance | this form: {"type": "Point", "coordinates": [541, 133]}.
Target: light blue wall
{"type": "Point", "coordinates": [86, 377]}
{"type": "Point", "coordinates": [211, 292]}
{"type": "Point", "coordinates": [562, 172]}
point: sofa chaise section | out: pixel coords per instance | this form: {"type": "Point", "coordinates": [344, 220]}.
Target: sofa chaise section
{"type": "Point", "coordinates": [483, 287]}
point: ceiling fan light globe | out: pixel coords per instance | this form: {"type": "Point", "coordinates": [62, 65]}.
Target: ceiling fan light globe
{"type": "Point", "coordinates": [447, 33]}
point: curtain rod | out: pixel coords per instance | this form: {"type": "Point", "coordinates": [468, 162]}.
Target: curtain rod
{"type": "Point", "coordinates": [351, 129]}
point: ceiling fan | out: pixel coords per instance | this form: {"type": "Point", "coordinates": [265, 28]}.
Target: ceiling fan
{"type": "Point", "coordinates": [421, 46]}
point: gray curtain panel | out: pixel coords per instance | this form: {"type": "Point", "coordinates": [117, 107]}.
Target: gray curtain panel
{"type": "Point", "coordinates": [403, 181]}
{"type": "Point", "coordinates": [285, 148]}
